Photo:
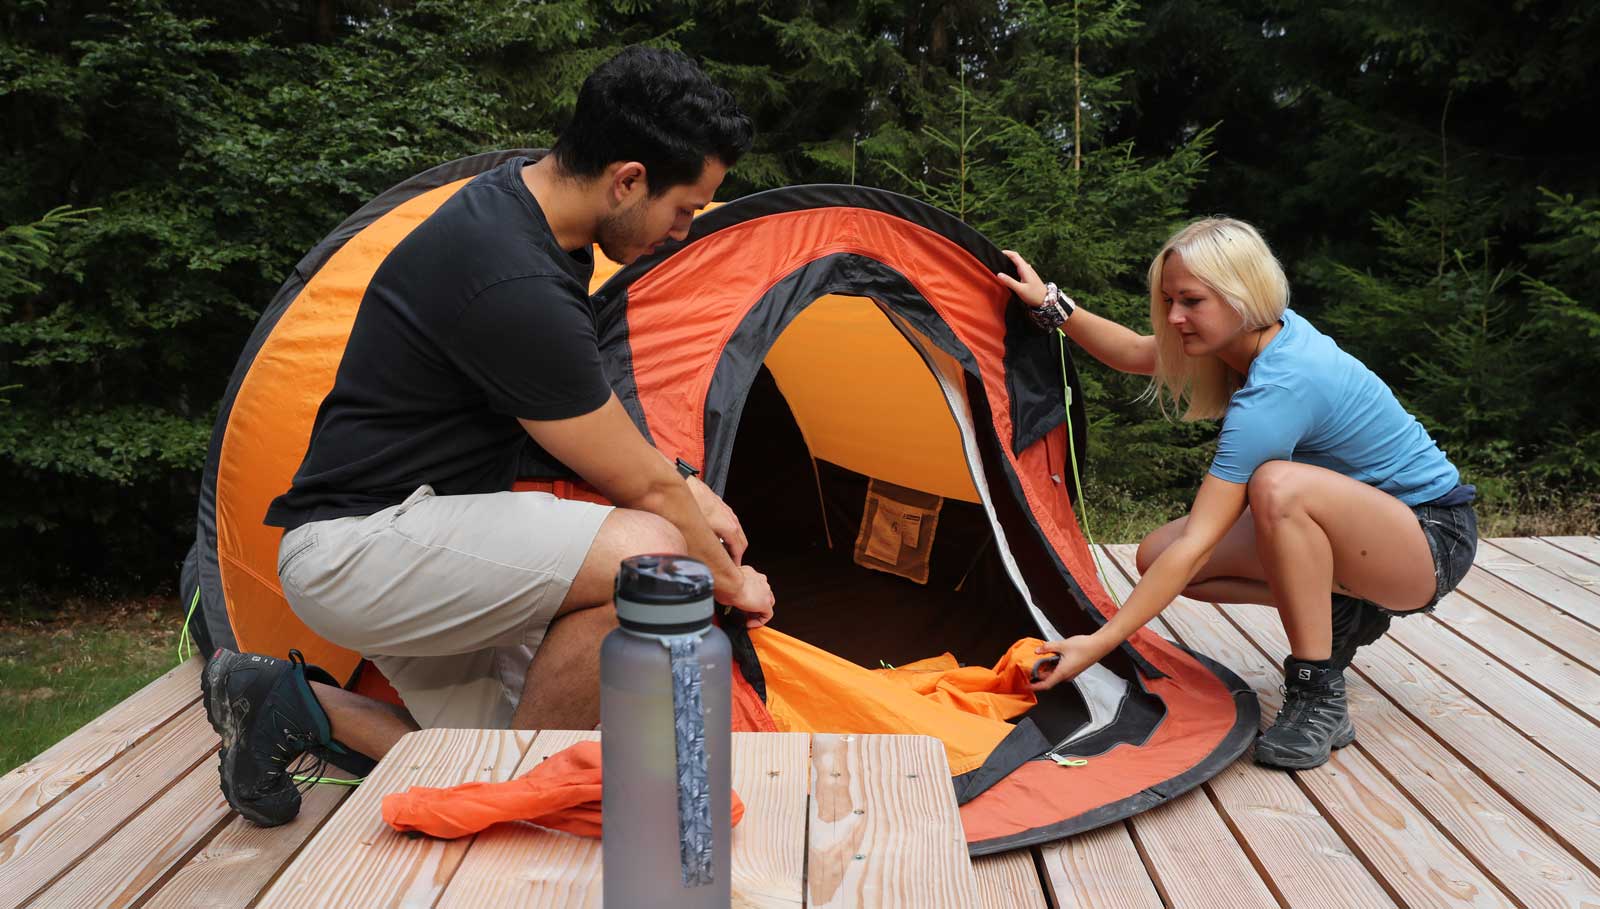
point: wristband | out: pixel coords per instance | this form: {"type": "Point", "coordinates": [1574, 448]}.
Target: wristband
{"type": "Point", "coordinates": [1056, 309]}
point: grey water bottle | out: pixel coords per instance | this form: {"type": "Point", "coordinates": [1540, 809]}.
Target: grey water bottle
{"type": "Point", "coordinates": [665, 712]}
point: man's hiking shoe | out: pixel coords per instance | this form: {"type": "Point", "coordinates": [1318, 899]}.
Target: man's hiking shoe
{"type": "Point", "coordinates": [1314, 719]}
{"type": "Point", "coordinates": [1356, 623]}
{"type": "Point", "coordinates": [267, 717]}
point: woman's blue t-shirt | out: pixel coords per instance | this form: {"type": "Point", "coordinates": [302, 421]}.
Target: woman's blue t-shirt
{"type": "Point", "coordinates": [1305, 400]}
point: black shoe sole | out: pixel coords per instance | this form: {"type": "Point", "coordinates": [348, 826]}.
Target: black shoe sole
{"type": "Point", "coordinates": [1307, 762]}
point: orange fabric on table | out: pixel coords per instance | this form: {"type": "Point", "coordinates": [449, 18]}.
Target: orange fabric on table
{"type": "Point", "coordinates": [562, 793]}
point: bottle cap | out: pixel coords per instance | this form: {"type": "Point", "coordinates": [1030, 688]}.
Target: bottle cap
{"type": "Point", "coordinates": [663, 594]}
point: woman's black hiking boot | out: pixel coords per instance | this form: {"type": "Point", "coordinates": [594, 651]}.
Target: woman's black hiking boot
{"type": "Point", "coordinates": [268, 717]}
{"type": "Point", "coordinates": [1356, 623]}
{"type": "Point", "coordinates": [1314, 719]}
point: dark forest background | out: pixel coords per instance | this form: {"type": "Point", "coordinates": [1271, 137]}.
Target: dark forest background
{"type": "Point", "coordinates": [1420, 167]}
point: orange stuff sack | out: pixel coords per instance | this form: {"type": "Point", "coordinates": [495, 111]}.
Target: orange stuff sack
{"type": "Point", "coordinates": [562, 793]}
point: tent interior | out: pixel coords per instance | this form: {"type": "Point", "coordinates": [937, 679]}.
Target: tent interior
{"type": "Point", "coordinates": [848, 426]}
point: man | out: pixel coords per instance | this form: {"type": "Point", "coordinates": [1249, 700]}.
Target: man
{"type": "Point", "coordinates": [485, 607]}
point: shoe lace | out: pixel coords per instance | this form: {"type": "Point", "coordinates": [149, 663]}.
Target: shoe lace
{"type": "Point", "coordinates": [1297, 702]}
{"type": "Point", "coordinates": [294, 758]}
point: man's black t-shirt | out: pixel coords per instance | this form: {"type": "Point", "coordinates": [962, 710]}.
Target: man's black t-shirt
{"type": "Point", "coordinates": [476, 318]}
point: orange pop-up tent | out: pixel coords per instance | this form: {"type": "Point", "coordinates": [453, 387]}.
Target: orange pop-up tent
{"type": "Point", "coordinates": [846, 370]}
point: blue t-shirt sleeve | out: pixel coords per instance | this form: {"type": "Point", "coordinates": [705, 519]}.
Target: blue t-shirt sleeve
{"type": "Point", "coordinates": [1263, 423]}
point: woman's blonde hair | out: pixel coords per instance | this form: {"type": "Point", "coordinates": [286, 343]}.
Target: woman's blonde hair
{"type": "Point", "coordinates": [1232, 260]}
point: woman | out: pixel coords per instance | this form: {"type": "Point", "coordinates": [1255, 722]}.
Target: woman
{"type": "Point", "coordinates": [1326, 499]}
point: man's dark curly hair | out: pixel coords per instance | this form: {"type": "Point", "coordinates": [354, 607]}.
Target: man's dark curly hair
{"type": "Point", "coordinates": [655, 107]}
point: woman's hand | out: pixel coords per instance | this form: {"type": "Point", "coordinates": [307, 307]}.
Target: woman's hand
{"type": "Point", "coordinates": [1073, 655]}
{"type": "Point", "coordinates": [1030, 288]}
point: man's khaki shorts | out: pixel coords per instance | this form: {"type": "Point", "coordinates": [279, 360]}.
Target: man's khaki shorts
{"type": "Point", "coordinates": [449, 596]}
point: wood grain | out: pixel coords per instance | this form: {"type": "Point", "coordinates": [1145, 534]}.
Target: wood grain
{"type": "Point", "coordinates": [55, 839]}
{"type": "Point", "coordinates": [358, 860]}
{"type": "Point", "coordinates": [140, 853]}
{"type": "Point", "coordinates": [1574, 600]}
{"type": "Point", "coordinates": [1008, 880]}
{"type": "Point", "coordinates": [1499, 834]}
{"type": "Point", "coordinates": [524, 866]}
{"type": "Point", "coordinates": [771, 773]}
{"type": "Point", "coordinates": [1584, 547]}
{"type": "Point", "coordinates": [1304, 859]}
{"type": "Point", "coordinates": [238, 863]}
{"type": "Point", "coordinates": [1561, 632]}
{"type": "Point", "coordinates": [1100, 869]}
{"type": "Point", "coordinates": [885, 830]}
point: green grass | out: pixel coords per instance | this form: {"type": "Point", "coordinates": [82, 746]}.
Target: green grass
{"type": "Point", "coordinates": [58, 673]}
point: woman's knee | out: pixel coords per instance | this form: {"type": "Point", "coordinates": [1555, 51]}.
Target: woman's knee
{"type": "Point", "coordinates": [1152, 546]}
{"type": "Point", "coordinates": [1274, 492]}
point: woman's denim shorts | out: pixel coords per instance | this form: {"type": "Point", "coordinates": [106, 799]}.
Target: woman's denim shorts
{"type": "Point", "coordinates": [1452, 532]}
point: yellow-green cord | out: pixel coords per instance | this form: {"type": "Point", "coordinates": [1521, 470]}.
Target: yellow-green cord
{"type": "Point", "coordinates": [1072, 449]}
{"type": "Point", "coordinates": [337, 781]}
{"type": "Point", "coordinates": [183, 636]}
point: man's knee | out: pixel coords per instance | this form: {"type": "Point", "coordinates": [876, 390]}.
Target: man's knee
{"type": "Point", "coordinates": [627, 532]}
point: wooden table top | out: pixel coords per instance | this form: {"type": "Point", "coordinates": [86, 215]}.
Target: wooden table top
{"type": "Point", "coordinates": [881, 829]}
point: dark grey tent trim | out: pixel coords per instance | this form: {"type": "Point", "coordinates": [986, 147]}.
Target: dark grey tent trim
{"type": "Point", "coordinates": [1247, 714]}
{"type": "Point", "coordinates": [747, 347]}
{"type": "Point", "coordinates": [213, 610]}
{"type": "Point", "coordinates": [1033, 372]}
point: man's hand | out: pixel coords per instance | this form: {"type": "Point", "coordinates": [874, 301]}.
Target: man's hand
{"type": "Point", "coordinates": [1075, 654]}
{"type": "Point", "coordinates": [754, 599]}
{"type": "Point", "coordinates": [724, 523]}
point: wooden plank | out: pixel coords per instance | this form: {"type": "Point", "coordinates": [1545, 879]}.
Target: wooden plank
{"type": "Point", "coordinates": [1560, 631]}
{"type": "Point", "coordinates": [31, 788]}
{"type": "Point", "coordinates": [771, 773]}
{"type": "Point", "coordinates": [1521, 856]}
{"type": "Point", "coordinates": [1555, 560]}
{"type": "Point", "coordinates": [358, 860]}
{"type": "Point", "coordinates": [1008, 880]}
{"type": "Point", "coordinates": [1101, 869]}
{"type": "Point", "coordinates": [1570, 598]}
{"type": "Point", "coordinates": [1195, 859]}
{"type": "Point", "coordinates": [1282, 831]}
{"type": "Point", "coordinates": [885, 830]}
{"type": "Point", "coordinates": [141, 852]}
{"type": "Point", "coordinates": [1584, 547]}
{"type": "Point", "coordinates": [1457, 667]}
{"type": "Point", "coordinates": [1567, 680]}
{"type": "Point", "coordinates": [50, 843]}
{"type": "Point", "coordinates": [238, 863]}
{"type": "Point", "coordinates": [523, 865]}
{"type": "Point", "coordinates": [1416, 863]}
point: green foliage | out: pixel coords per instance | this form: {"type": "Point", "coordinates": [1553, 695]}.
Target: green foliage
{"type": "Point", "coordinates": [1416, 167]}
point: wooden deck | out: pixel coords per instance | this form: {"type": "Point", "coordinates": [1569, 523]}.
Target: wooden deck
{"type": "Point", "coordinates": [1468, 785]}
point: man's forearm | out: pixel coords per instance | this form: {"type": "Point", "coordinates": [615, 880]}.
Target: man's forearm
{"type": "Point", "coordinates": [669, 497]}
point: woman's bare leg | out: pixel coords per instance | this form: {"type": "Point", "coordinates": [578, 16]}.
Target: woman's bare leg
{"type": "Point", "coordinates": [1316, 528]}
{"type": "Point", "coordinates": [1324, 533]}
